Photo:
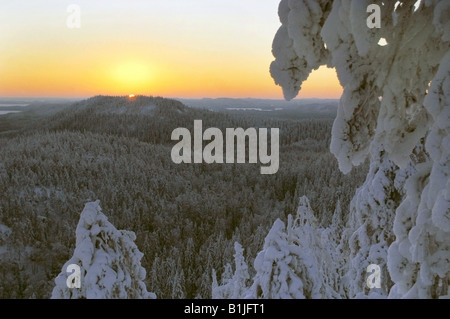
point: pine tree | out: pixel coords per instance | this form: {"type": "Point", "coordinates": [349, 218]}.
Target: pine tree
{"type": "Point", "coordinates": [234, 287]}
{"type": "Point", "coordinates": [108, 259]}
{"type": "Point", "coordinates": [289, 266]}
{"type": "Point", "coordinates": [277, 276]}
{"type": "Point", "coordinates": [370, 227]}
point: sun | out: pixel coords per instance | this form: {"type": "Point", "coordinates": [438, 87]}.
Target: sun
{"type": "Point", "coordinates": [131, 96]}
{"type": "Point", "coordinates": [131, 76]}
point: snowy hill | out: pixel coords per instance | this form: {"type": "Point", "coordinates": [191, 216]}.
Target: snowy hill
{"type": "Point", "coordinates": [144, 105]}
{"type": "Point", "coordinates": [149, 119]}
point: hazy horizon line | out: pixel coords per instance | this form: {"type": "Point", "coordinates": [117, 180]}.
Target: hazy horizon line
{"type": "Point", "coordinates": [167, 97]}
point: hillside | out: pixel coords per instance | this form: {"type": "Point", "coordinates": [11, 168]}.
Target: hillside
{"type": "Point", "coordinates": [186, 217]}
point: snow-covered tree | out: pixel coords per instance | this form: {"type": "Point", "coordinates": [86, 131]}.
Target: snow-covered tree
{"type": "Point", "coordinates": [337, 221]}
{"type": "Point", "coordinates": [334, 252]}
{"type": "Point", "coordinates": [276, 267]}
{"type": "Point", "coordinates": [370, 226]}
{"type": "Point", "coordinates": [396, 82]}
{"type": "Point", "coordinates": [236, 286]}
{"type": "Point", "coordinates": [108, 258]}
{"type": "Point", "coordinates": [291, 264]}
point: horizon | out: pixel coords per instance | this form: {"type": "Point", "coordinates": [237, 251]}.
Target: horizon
{"type": "Point", "coordinates": [180, 49]}
{"type": "Point", "coordinates": [175, 97]}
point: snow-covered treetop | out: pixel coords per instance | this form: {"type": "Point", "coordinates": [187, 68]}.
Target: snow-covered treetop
{"type": "Point", "coordinates": [109, 260]}
{"type": "Point", "coordinates": [384, 85]}
{"type": "Point", "coordinates": [395, 105]}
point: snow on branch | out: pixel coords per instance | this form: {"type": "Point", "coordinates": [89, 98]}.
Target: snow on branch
{"type": "Point", "coordinates": [108, 259]}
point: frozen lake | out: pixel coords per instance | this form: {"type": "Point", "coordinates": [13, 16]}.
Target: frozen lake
{"type": "Point", "coordinates": [6, 112]}
{"type": "Point", "coordinates": [253, 109]}
{"type": "Point", "coordinates": [9, 105]}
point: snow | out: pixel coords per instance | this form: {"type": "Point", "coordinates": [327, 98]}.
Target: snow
{"type": "Point", "coordinates": [3, 249]}
{"type": "Point", "coordinates": [4, 230]}
{"type": "Point", "coordinates": [233, 286]}
{"type": "Point", "coordinates": [387, 109]}
{"type": "Point", "coordinates": [297, 47]}
{"type": "Point", "coordinates": [108, 258]}
{"type": "Point", "coordinates": [299, 260]}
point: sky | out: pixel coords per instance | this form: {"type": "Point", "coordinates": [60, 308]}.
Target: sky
{"type": "Point", "coordinates": [170, 48]}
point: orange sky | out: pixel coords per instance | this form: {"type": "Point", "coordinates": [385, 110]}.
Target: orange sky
{"type": "Point", "coordinates": [177, 48]}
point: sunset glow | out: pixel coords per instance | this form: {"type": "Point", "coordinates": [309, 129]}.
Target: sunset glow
{"type": "Point", "coordinates": [168, 48]}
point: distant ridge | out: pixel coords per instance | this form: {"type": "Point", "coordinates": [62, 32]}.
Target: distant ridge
{"type": "Point", "coordinates": [319, 106]}
{"type": "Point", "coordinates": [140, 104]}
